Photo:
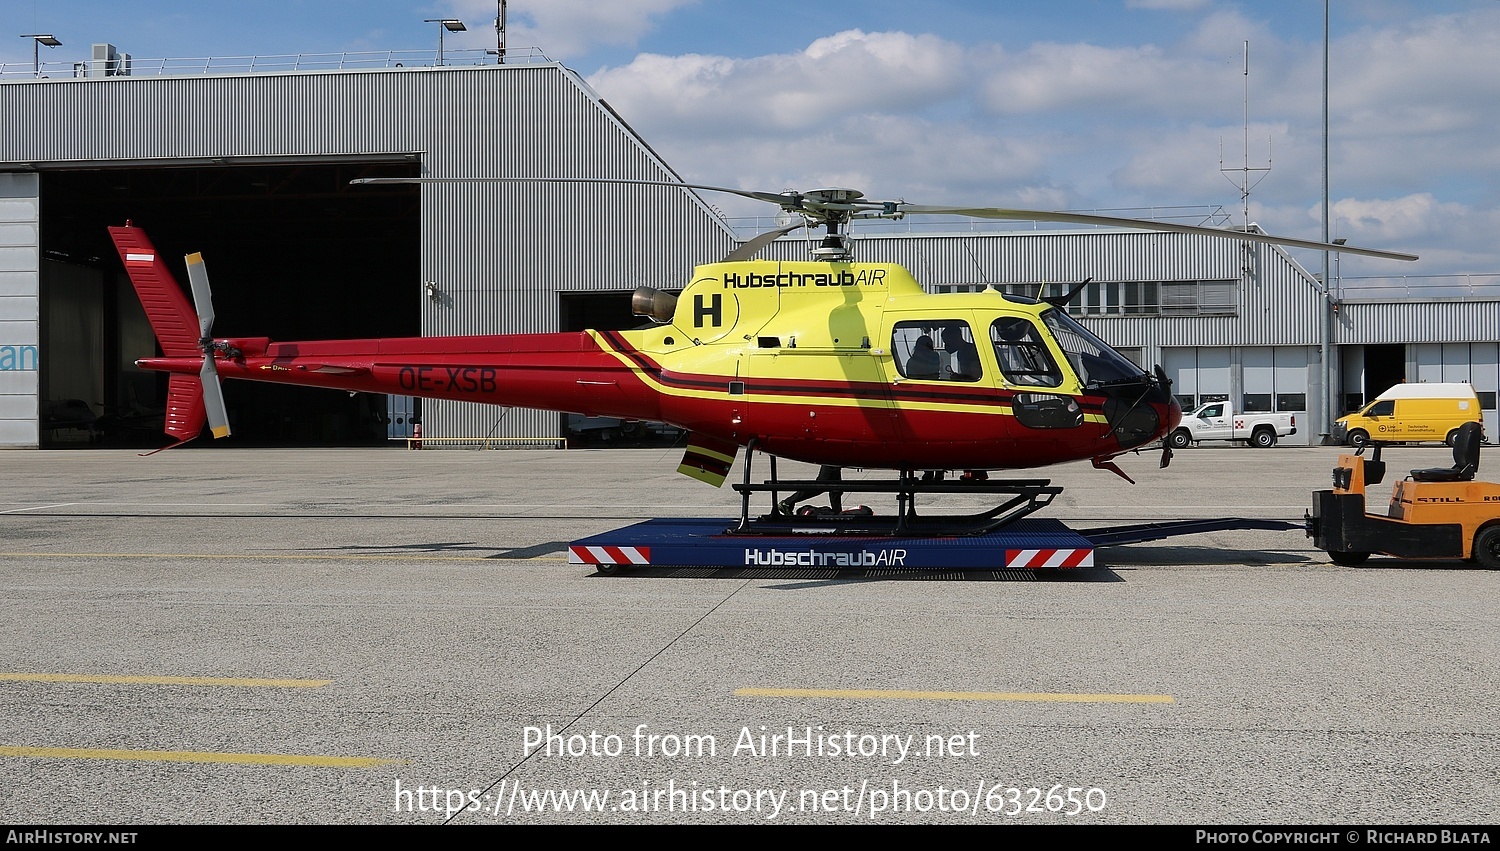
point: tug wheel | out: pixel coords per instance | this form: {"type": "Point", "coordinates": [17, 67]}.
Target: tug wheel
{"type": "Point", "coordinates": [1348, 559]}
{"type": "Point", "coordinates": [1487, 547]}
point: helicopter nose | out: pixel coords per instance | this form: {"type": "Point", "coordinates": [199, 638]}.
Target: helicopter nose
{"type": "Point", "coordinates": [1172, 415]}
{"type": "Point", "coordinates": [1168, 409]}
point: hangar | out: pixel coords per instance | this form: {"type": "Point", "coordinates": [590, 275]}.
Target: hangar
{"type": "Point", "coordinates": [251, 166]}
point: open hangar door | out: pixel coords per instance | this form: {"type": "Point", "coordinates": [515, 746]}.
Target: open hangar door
{"type": "Point", "coordinates": [294, 253]}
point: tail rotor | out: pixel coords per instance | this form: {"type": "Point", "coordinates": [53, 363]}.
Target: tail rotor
{"type": "Point", "coordinates": [208, 376]}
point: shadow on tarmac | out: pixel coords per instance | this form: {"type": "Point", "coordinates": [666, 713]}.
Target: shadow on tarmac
{"type": "Point", "coordinates": [812, 577]}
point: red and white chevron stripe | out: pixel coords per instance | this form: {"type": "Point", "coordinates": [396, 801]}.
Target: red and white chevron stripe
{"type": "Point", "coordinates": [609, 555]}
{"type": "Point", "coordinates": [1064, 557]}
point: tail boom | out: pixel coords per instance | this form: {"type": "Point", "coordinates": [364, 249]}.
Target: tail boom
{"type": "Point", "coordinates": [555, 372]}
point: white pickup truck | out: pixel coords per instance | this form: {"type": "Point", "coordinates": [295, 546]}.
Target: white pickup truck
{"type": "Point", "coordinates": [1219, 421]}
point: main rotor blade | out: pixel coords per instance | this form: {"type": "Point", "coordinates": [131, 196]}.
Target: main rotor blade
{"type": "Point", "coordinates": [753, 247]}
{"type": "Point", "coordinates": [774, 198]}
{"type": "Point", "coordinates": [203, 300]}
{"type": "Point", "coordinates": [1146, 224]}
{"type": "Point", "coordinates": [817, 206]}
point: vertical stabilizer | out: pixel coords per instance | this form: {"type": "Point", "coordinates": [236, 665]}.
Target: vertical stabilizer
{"type": "Point", "coordinates": [172, 319]}
{"type": "Point", "coordinates": [185, 412]}
{"type": "Point", "coordinates": [172, 316]}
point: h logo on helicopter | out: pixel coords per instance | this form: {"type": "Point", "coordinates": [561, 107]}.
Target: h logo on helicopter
{"type": "Point", "coordinates": [714, 310]}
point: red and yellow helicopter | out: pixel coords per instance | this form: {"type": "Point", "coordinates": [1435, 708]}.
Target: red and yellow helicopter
{"type": "Point", "coordinates": [829, 361]}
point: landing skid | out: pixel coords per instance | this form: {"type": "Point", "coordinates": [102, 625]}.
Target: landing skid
{"type": "Point", "coordinates": [1020, 498]}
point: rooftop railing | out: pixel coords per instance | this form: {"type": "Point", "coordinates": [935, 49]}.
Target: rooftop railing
{"type": "Point", "coordinates": [1480, 287]}
{"type": "Point", "coordinates": [273, 64]}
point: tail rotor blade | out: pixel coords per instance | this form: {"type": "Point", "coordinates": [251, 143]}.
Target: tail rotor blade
{"type": "Point", "coordinates": [208, 376]}
{"type": "Point", "coordinates": [213, 397]}
{"type": "Point", "coordinates": [203, 299]}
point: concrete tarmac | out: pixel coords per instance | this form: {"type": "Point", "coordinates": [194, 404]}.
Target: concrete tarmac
{"type": "Point", "coordinates": [386, 636]}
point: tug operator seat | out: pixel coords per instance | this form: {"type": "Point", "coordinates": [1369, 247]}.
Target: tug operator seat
{"type": "Point", "coordinates": [1465, 458]}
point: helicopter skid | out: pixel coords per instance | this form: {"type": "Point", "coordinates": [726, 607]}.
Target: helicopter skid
{"type": "Point", "coordinates": [1019, 497]}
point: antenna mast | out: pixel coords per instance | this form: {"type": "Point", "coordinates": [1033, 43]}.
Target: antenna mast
{"type": "Point", "coordinates": [1245, 184]}
{"type": "Point", "coordinates": [500, 31]}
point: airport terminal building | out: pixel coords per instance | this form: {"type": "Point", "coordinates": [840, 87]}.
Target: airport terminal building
{"type": "Point", "coordinates": [251, 166]}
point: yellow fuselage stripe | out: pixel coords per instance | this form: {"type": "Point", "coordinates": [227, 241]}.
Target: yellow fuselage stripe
{"type": "Point", "coordinates": [896, 694]}
{"type": "Point", "coordinates": [825, 400]}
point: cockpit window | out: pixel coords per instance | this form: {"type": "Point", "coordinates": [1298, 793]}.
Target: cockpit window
{"type": "Point", "coordinates": [1097, 364]}
{"type": "Point", "coordinates": [1023, 356]}
{"type": "Point", "coordinates": [936, 350]}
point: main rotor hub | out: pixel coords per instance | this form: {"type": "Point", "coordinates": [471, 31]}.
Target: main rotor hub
{"type": "Point", "coordinates": [833, 196]}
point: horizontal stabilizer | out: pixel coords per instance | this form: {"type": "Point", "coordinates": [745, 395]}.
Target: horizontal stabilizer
{"type": "Point", "coordinates": [707, 459]}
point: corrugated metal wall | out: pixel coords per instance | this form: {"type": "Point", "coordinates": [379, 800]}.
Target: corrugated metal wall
{"type": "Point", "coordinates": [1418, 322]}
{"type": "Point", "coordinates": [20, 270]}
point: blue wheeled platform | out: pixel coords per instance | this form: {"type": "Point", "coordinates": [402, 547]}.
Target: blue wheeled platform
{"type": "Point", "coordinates": [1026, 543]}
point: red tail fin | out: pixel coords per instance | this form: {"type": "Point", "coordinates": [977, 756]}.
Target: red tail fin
{"type": "Point", "coordinates": [174, 321]}
{"type": "Point", "coordinates": [171, 314]}
{"type": "Point", "coordinates": [185, 412]}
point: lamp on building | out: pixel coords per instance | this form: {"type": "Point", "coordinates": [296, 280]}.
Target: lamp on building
{"type": "Point", "coordinates": [38, 39]}
{"type": "Point", "coordinates": [448, 25]}
{"type": "Point", "coordinates": [1338, 278]}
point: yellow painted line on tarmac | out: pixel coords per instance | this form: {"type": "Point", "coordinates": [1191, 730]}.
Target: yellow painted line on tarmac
{"type": "Point", "coordinates": [264, 557]}
{"type": "Point", "coordinates": [123, 679]}
{"type": "Point", "coordinates": [891, 694]}
{"type": "Point", "coordinates": [308, 760]}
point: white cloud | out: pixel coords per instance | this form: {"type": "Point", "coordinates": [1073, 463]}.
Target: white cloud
{"type": "Point", "coordinates": [1086, 125]}
{"type": "Point", "coordinates": [1054, 76]}
{"type": "Point", "coordinates": [1412, 217]}
{"type": "Point", "coordinates": [845, 74]}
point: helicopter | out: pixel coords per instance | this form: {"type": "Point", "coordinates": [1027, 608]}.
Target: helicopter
{"type": "Point", "coordinates": [829, 361]}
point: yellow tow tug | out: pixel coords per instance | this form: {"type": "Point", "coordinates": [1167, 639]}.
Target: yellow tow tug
{"type": "Point", "coordinates": [1434, 513]}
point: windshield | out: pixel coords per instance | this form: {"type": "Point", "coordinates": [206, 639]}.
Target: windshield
{"type": "Point", "coordinates": [1097, 364]}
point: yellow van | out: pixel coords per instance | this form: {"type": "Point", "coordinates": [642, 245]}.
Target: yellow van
{"type": "Point", "coordinates": [1411, 412]}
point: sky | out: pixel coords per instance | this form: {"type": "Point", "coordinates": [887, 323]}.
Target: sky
{"type": "Point", "coordinates": [1090, 105]}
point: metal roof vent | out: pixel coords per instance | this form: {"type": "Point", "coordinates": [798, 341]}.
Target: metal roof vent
{"type": "Point", "coordinates": [106, 62]}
